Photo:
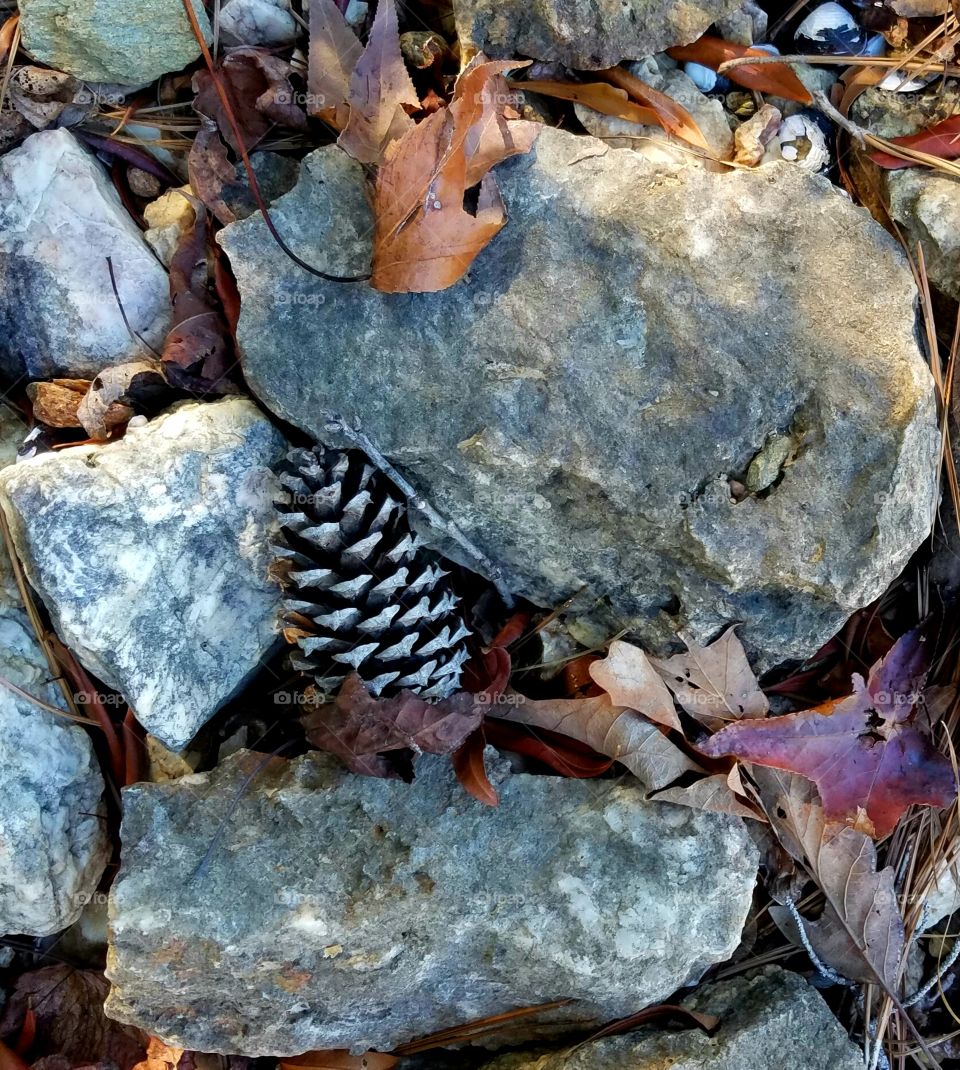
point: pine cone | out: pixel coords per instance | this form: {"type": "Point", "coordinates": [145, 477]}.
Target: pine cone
{"type": "Point", "coordinates": [361, 594]}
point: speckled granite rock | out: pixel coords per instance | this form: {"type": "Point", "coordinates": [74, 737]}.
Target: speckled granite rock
{"type": "Point", "coordinates": [588, 396]}
{"type": "Point", "coordinates": [60, 218]}
{"type": "Point", "coordinates": [341, 911]}
{"type": "Point", "coordinates": [772, 1020]}
{"type": "Point", "coordinates": [583, 33]}
{"type": "Point", "coordinates": [151, 555]}
{"type": "Point", "coordinates": [111, 40]}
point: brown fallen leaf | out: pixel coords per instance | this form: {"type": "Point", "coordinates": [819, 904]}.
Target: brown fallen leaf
{"type": "Point", "coordinates": [210, 169]}
{"type": "Point", "coordinates": [339, 1059]}
{"type": "Point", "coordinates": [379, 88]}
{"type": "Point", "coordinates": [334, 52]}
{"type": "Point", "coordinates": [776, 79]}
{"type": "Point", "coordinates": [672, 116]}
{"type": "Point", "coordinates": [9, 1060]}
{"type": "Point", "coordinates": [8, 34]}
{"type": "Point", "coordinates": [360, 728]}
{"type": "Point", "coordinates": [563, 754]}
{"type": "Point", "coordinates": [55, 404]}
{"type": "Point", "coordinates": [714, 793]}
{"type": "Point", "coordinates": [601, 96]}
{"type": "Point", "coordinates": [471, 771]}
{"type": "Point", "coordinates": [631, 680]}
{"type": "Point", "coordinates": [424, 238]}
{"type": "Point", "coordinates": [160, 1056]}
{"type": "Point", "coordinates": [714, 683]}
{"type": "Point", "coordinates": [860, 931]}
{"type": "Point", "coordinates": [120, 388]}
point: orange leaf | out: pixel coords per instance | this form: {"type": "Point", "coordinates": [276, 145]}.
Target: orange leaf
{"type": "Point", "coordinates": [600, 96]}
{"type": "Point", "coordinates": [942, 139]}
{"type": "Point", "coordinates": [9, 1060]}
{"type": "Point", "coordinates": [334, 52]}
{"type": "Point", "coordinates": [774, 78]}
{"type": "Point", "coordinates": [673, 117]}
{"type": "Point", "coordinates": [424, 239]}
{"type": "Point", "coordinates": [8, 31]}
{"type": "Point", "coordinates": [471, 771]}
{"type": "Point", "coordinates": [339, 1059]}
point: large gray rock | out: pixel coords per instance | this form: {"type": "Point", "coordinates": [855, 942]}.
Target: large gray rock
{"type": "Point", "coordinates": [583, 33]}
{"type": "Point", "coordinates": [340, 911]}
{"type": "Point", "coordinates": [633, 343]}
{"type": "Point", "coordinates": [151, 554]}
{"type": "Point", "coordinates": [53, 841]}
{"type": "Point", "coordinates": [60, 218]}
{"type": "Point", "coordinates": [772, 1019]}
{"type": "Point", "coordinates": [925, 203]}
{"type": "Point", "coordinates": [112, 40]}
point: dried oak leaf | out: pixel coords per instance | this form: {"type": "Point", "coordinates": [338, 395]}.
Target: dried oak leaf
{"type": "Point", "coordinates": [774, 78]}
{"type": "Point", "coordinates": [630, 679]}
{"type": "Point", "coordinates": [334, 52]}
{"type": "Point", "coordinates": [68, 1005]}
{"type": "Point", "coordinates": [379, 88]}
{"type": "Point", "coordinates": [117, 392]}
{"type": "Point", "coordinates": [210, 170]}
{"type": "Point", "coordinates": [860, 931]}
{"type": "Point", "coordinates": [714, 683]}
{"type": "Point", "coordinates": [942, 139]}
{"type": "Point", "coordinates": [359, 728]}
{"type": "Point", "coordinates": [424, 238]}
{"type": "Point", "coordinates": [866, 752]}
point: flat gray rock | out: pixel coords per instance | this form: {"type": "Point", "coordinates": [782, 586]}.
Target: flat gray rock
{"type": "Point", "coordinates": [342, 911]}
{"type": "Point", "coordinates": [771, 1020]}
{"type": "Point", "coordinates": [151, 554]}
{"type": "Point", "coordinates": [632, 346]}
{"type": "Point", "coordinates": [60, 218]}
{"type": "Point", "coordinates": [112, 40]}
{"type": "Point", "coordinates": [53, 840]}
{"type": "Point", "coordinates": [583, 33]}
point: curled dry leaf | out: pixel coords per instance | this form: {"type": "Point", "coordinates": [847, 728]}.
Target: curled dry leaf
{"type": "Point", "coordinates": [942, 139]}
{"type": "Point", "coordinates": [120, 389]}
{"type": "Point", "coordinates": [714, 683]}
{"type": "Point", "coordinates": [601, 96]}
{"type": "Point", "coordinates": [360, 728]}
{"type": "Point", "coordinates": [630, 679]}
{"type": "Point", "coordinates": [564, 755]}
{"type": "Point", "coordinates": [860, 931]}
{"type": "Point", "coordinates": [424, 238]}
{"type": "Point", "coordinates": [866, 752]}
{"type": "Point", "coordinates": [379, 88]}
{"type": "Point", "coordinates": [471, 771]}
{"type": "Point", "coordinates": [672, 116]}
{"type": "Point", "coordinates": [774, 78]}
{"type": "Point", "coordinates": [714, 793]}
{"type": "Point", "coordinates": [334, 52]}
{"type": "Point", "coordinates": [210, 169]}
{"type": "Point", "coordinates": [55, 404]}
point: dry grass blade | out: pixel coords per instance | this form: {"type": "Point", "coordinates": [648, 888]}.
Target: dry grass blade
{"type": "Point", "coordinates": [481, 1027]}
{"type": "Point", "coordinates": [673, 117]}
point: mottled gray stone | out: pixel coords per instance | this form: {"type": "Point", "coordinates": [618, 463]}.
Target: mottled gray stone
{"type": "Point", "coordinates": [341, 911]}
{"type": "Point", "coordinates": [53, 841]}
{"type": "Point", "coordinates": [60, 218]}
{"type": "Point", "coordinates": [772, 1020]}
{"type": "Point", "coordinates": [625, 347]}
{"type": "Point", "coordinates": [925, 203]}
{"type": "Point", "coordinates": [151, 555]}
{"type": "Point", "coordinates": [583, 33]}
{"type": "Point", "coordinates": [112, 40]}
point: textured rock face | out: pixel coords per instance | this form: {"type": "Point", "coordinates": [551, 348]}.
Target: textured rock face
{"type": "Point", "coordinates": [60, 218]}
{"type": "Point", "coordinates": [584, 33]}
{"type": "Point", "coordinates": [581, 404]}
{"type": "Point", "coordinates": [53, 843]}
{"type": "Point", "coordinates": [111, 40]}
{"type": "Point", "coordinates": [151, 554]}
{"type": "Point", "coordinates": [925, 203]}
{"type": "Point", "coordinates": [340, 911]}
{"type": "Point", "coordinates": [771, 1019]}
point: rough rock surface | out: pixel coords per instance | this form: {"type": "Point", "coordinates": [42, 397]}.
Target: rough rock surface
{"type": "Point", "coordinates": [341, 911]}
{"type": "Point", "coordinates": [583, 33]}
{"type": "Point", "coordinates": [585, 397]}
{"type": "Point", "coordinates": [111, 40]}
{"type": "Point", "coordinates": [259, 22]}
{"type": "Point", "coordinates": [151, 554]}
{"type": "Point", "coordinates": [925, 203]}
{"type": "Point", "coordinates": [60, 218]}
{"type": "Point", "coordinates": [772, 1019]}
{"type": "Point", "coordinates": [53, 844]}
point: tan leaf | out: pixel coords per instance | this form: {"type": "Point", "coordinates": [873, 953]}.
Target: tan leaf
{"type": "Point", "coordinates": [714, 683]}
{"type": "Point", "coordinates": [602, 97]}
{"type": "Point", "coordinates": [630, 679]}
{"type": "Point", "coordinates": [713, 793]}
{"type": "Point", "coordinates": [672, 116]}
{"type": "Point", "coordinates": [334, 52]}
{"type": "Point", "coordinates": [623, 735]}
{"type": "Point", "coordinates": [379, 87]}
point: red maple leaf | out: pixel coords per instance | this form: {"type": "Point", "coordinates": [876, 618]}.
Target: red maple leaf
{"type": "Point", "coordinates": [866, 752]}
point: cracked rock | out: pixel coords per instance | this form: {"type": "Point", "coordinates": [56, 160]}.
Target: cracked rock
{"type": "Point", "coordinates": [151, 554]}
{"type": "Point", "coordinates": [339, 911]}
{"type": "Point", "coordinates": [588, 397]}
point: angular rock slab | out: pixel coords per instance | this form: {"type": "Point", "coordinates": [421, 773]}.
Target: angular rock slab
{"type": "Point", "coordinates": [112, 40]}
{"type": "Point", "coordinates": [340, 911]}
{"type": "Point", "coordinates": [771, 1019]}
{"type": "Point", "coordinates": [151, 554]}
{"type": "Point", "coordinates": [60, 218]}
{"type": "Point", "coordinates": [53, 840]}
{"type": "Point", "coordinates": [631, 343]}
{"type": "Point", "coordinates": [583, 33]}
